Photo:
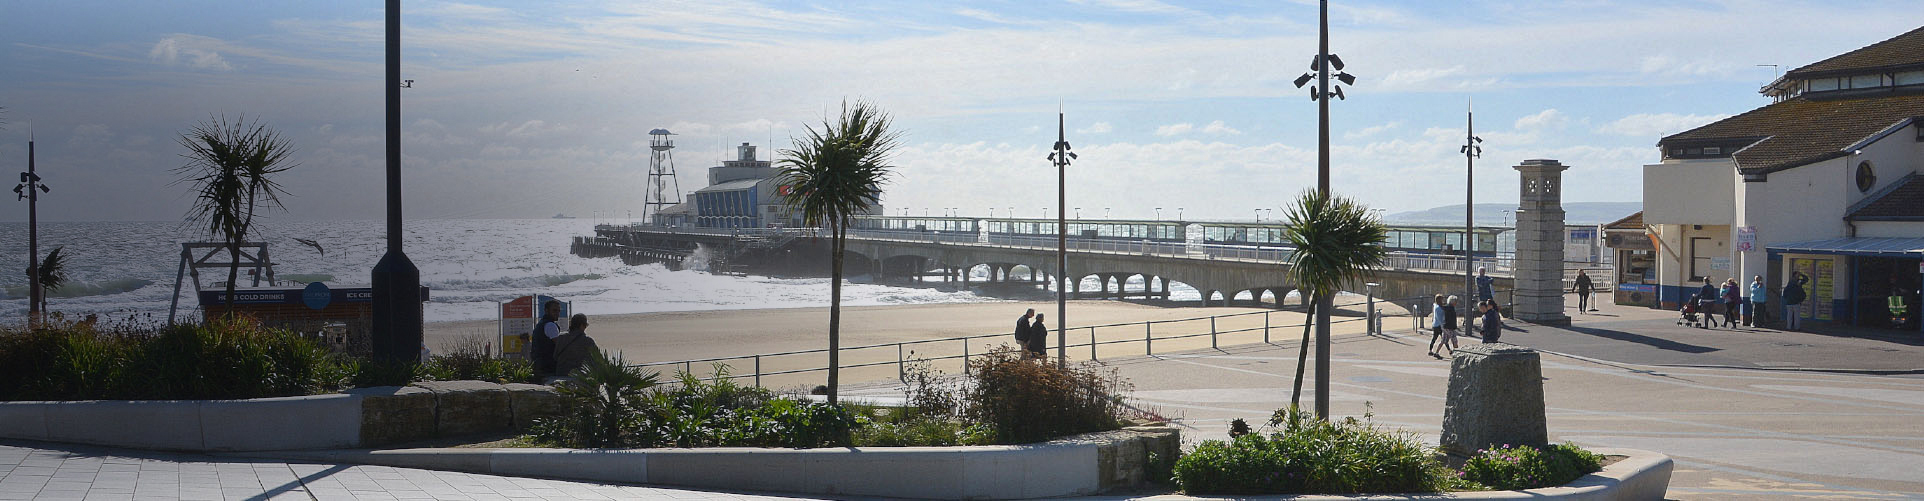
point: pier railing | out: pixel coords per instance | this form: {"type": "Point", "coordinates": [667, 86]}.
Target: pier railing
{"type": "Point", "coordinates": [1222, 330]}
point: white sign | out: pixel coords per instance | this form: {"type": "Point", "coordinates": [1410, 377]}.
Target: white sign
{"type": "Point", "coordinates": [1746, 238]}
{"type": "Point", "coordinates": [1720, 263]}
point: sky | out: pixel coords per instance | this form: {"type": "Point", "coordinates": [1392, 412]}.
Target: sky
{"type": "Point", "coordinates": [527, 109]}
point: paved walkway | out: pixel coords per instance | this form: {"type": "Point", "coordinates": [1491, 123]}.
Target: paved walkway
{"type": "Point", "coordinates": [59, 471]}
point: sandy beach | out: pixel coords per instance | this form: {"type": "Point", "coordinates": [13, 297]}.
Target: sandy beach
{"type": "Point", "coordinates": [675, 336]}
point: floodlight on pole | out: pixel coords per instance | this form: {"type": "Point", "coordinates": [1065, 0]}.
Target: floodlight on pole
{"type": "Point", "coordinates": [1061, 157]}
{"type": "Point", "coordinates": [1321, 73]}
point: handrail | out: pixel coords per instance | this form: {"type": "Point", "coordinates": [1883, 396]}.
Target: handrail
{"type": "Point", "coordinates": [1148, 340]}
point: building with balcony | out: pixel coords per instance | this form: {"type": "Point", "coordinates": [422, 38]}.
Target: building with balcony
{"type": "Point", "coordinates": [1823, 181]}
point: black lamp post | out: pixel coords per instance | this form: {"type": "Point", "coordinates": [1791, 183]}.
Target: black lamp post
{"type": "Point", "coordinates": [1061, 158]}
{"type": "Point", "coordinates": [30, 189]}
{"type": "Point", "coordinates": [397, 282]}
{"type": "Point", "coordinates": [1323, 65]}
{"type": "Point", "coordinates": [1472, 148]}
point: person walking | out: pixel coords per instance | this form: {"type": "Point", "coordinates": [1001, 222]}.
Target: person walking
{"type": "Point", "coordinates": [574, 349]}
{"type": "Point", "coordinates": [1038, 344]}
{"type": "Point", "coordinates": [1022, 331]}
{"type": "Point", "coordinates": [1436, 324]}
{"type": "Point", "coordinates": [1492, 321]}
{"type": "Point", "coordinates": [1732, 300]}
{"type": "Point", "coordinates": [541, 347]}
{"type": "Point", "coordinates": [1794, 301]}
{"type": "Point", "coordinates": [1584, 288]}
{"type": "Point", "coordinates": [1758, 296]}
{"type": "Point", "coordinates": [1706, 300]}
{"type": "Point", "coordinates": [1450, 317]}
{"type": "Point", "coordinates": [1485, 284]}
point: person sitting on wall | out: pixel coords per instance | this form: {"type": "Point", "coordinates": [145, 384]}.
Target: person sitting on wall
{"type": "Point", "coordinates": [574, 349]}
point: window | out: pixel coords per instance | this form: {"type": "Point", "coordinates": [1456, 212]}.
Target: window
{"type": "Point", "coordinates": [1823, 84]}
{"type": "Point", "coordinates": [1866, 177]}
{"type": "Point", "coordinates": [1713, 150]}
{"type": "Point", "coordinates": [1700, 253]}
{"type": "Point", "coordinates": [1867, 81]}
{"type": "Point", "coordinates": [1909, 78]}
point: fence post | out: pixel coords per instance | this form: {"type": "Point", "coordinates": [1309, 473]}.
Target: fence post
{"type": "Point", "coordinates": [1148, 339]}
{"type": "Point", "coordinates": [758, 371]}
{"type": "Point", "coordinates": [965, 355]}
{"type": "Point", "coordinates": [1092, 343]}
{"type": "Point", "coordinates": [1266, 326]}
{"type": "Point", "coordinates": [900, 374]}
{"type": "Point", "coordinates": [1212, 332]}
{"type": "Point", "coordinates": [688, 368]}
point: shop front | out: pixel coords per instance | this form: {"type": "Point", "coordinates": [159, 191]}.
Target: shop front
{"type": "Point", "coordinates": [1863, 282]}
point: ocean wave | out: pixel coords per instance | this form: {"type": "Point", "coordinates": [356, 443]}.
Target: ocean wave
{"type": "Point", "coordinates": [535, 281]}
{"type": "Point", "coordinates": [84, 289]}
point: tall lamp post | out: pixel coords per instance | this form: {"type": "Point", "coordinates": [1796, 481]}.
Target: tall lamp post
{"type": "Point", "coordinates": [1322, 66]}
{"type": "Point", "coordinates": [30, 189]}
{"type": "Point", "coordinates": [1061, 158]}
{"type": "Point", "coordinates": [397, 282]}
{"type": "Point", "coordinates": [1472, 148]}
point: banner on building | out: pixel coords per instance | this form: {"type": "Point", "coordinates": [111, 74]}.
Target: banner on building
{"type": "Point", "coordinates": [1746, 238]}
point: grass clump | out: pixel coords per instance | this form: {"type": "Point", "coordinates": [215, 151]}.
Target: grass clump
{"type": "Point", "coordinates": [1310, 456]}
{"type": "Point", "coordinates": [1524, 467]}
{"type": "Point", "coordinates": [614, 405]}
{"type": "Point", "coordinates": [1027, 401]}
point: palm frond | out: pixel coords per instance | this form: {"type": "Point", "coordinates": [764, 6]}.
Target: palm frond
{"type": "Point", "coordinates": [53, 270]}
{"type": "Point", "coordinates": [1337, 241]}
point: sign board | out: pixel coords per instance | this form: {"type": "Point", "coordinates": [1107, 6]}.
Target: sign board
{"type": "Point", "coordinates": [316, 296]}
{"type": "Point", "coordinates": [1628, 240]}
{"type": "Point", "coordinates": [291, 296]}
{"type": "Point", "coordinates": [1720, 263]}
{"type": "Point", "coordinates": [1637, 294]}
{"type": "Point", "coordinates": [1746, 238]}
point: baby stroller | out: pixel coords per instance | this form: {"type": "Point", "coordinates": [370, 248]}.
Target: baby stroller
{"type": "Point", "coordinates": [1688, 315]}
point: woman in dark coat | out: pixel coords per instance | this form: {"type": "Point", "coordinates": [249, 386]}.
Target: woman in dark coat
{"type": "Point", "coordinates": [1038, 345]}
{"type": "Point", "coordinates": [1492, 321]}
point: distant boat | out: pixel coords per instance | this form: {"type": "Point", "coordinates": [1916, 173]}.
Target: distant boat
{"type": "Point", "coordinates": [561, 216]}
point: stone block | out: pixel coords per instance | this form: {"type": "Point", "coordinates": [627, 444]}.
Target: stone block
{"type": "Point", "coordinates": [269, 424]}
{"type": "Point", "coordinates": [529, 401]}
{"type": "Point", "coordinates": [464, 407]}
{"type": "Point", "coordinates": [1495, 398]}
{"type": "Point", "coordinates": [394, 414]}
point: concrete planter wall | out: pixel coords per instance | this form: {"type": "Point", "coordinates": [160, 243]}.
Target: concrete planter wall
{"type": "Point", "coordinates": [363, 417]}
{"type": "Point", "coordinates": [1081, 465]}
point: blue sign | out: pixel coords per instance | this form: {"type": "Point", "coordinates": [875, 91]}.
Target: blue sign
{"type": "Point", "coordinates": [316, 296]}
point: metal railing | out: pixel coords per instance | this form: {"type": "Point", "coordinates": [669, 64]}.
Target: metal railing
{"type": "Point", "coordinates": [757, 365]}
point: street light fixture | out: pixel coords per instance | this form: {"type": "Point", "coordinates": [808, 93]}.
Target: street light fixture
{"type": "Point", "coordinates": [1322, 67]}
{"type": "Point", "coordinates": [1472, 148]}
{"type": "Point", "coordinates": [1158, 213]}
{"type": "Point", "coordinates": [1061, 157]}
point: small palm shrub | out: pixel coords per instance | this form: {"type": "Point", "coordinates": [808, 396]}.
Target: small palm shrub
{"type": "Point", "coordinates": [1311, 456]}
{"type": "Point", "coordinates": [1524, 467]}
{"type": "Point", "coordinates": [468, 359]}
{"type": "Point", "coordinates": [606, 395]}
{"type": "Point", "coordinates": [1025, 401]}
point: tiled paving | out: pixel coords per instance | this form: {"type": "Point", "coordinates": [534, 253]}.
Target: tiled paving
{"type": "Point", "coordinates": [59, 471]}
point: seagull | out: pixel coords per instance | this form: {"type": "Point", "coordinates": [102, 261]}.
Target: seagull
{"type": "Point", "coordinates": [311, 243]}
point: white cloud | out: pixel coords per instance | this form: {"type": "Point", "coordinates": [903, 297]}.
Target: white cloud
{"type": "Point", "coordinates": [1097, 128]}
{"type": "Point", "coordinates": [1371, 130]}
{"type": "Point", "coordinates": [1175, 129]}
{"type": "Point", "coordinates": [1657, 124]}
{"type": "Point", "coordinates": [1546, 119]}
{"type": "Point", "coordinates": [1217, 127]}
{"type": "Point", "coordinates": [184, 50]}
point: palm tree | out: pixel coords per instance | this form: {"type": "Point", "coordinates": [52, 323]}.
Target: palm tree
{"type": "Point", "coordinates": [231, 166]}
{"type": "Point", "coordinates": [1337, 241]}
{"type": "Point", "coordinates": [833, 174]}
{"type": "Point", "coordinates": [53, 274]}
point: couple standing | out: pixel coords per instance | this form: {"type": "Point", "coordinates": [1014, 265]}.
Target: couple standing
{"type": "Point", "coordinates": [1032, 336]}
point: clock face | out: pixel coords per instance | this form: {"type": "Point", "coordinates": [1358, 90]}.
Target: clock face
{"type": "Point", "coordinates": [1866, 177]}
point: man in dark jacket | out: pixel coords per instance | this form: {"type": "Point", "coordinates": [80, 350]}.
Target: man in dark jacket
{"type": "Point", "coordinates": [1038, 344]}
{"type": "Point", "coordinates": [1706, 299]}
{"type": "Point", "coordinates": [1584, 288]}
{"type": "Point", "coordinates": [541, 348]}
{"type": "Point", "coordinates": [1022, 330]}
{"type": "Point", "coordinates": [1794, 301]}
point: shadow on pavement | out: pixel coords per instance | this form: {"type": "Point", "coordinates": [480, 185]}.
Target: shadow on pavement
{"type": "Point", "coordinates": [1658, 343]}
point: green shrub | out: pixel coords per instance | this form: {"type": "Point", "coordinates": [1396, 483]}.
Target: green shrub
{"type": "Point", "coordinates": [1310, 456]}
{"type": "Point", "coordinates": [229, 358]}
{"type": "Point", "coordinates": [606, 395]}
{"type": "Point", "coordinates": [1525, 467]}
{"type": "Point", "coordinates": [1026, 401]}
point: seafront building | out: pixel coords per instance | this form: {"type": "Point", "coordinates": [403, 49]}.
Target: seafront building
{"type": "Point", "coordinates": [741, 193]}
{"type": "Point", "coordinates": [1823, 181]}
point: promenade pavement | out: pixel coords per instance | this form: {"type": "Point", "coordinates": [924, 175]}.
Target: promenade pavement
{"type": "Point", "coordinates": [1738, 410]}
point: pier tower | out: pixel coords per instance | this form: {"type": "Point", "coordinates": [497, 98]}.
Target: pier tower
{"type": "Point", "coordinates": [663, 190]}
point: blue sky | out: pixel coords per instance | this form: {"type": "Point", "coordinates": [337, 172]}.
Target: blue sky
{"type": "Point", "coordinates": [526, 109]}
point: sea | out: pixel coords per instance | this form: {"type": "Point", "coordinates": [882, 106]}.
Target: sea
{"type": "Point", "coordinates": [127, 270]}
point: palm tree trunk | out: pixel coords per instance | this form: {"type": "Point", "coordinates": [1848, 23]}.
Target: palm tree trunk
{"type": "Point", "coordinates": [1302, 357]}
{"type": "Point", "coordinates": [1323, 304]}
{"type": "Point", "coordinates": [838, 236]}
{"type": "Point", "coordinates": [233, 272]}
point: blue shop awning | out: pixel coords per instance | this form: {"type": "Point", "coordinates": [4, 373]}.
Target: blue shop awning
{"type": "Point", "coordinates": [1859, 246]}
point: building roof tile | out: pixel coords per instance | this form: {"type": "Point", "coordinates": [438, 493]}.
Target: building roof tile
{"type": "Point", "coordinates": [1903, 201]}
{"type": "Point", "coordinates": [1630, 222]}
{"type": "Point", "coordinates": [1899, 51]}
{"type": "Point", "coordinates": [1800, 130]}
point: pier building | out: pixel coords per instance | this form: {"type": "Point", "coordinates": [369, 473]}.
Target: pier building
{"type": "Point", "coordinates": [1824, 181]}
{"type": "Point", "coordinates": [742, 193]}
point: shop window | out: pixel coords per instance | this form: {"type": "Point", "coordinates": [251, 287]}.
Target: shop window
{"type": "Point", "coordinates": [1866, 177]}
